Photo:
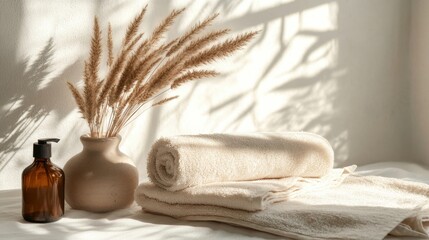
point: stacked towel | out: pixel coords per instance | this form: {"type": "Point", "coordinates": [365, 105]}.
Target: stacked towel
{"type": "Point", "coordinates": [244, 195]}
{"type": "Point", "coordinates": [323, 203]}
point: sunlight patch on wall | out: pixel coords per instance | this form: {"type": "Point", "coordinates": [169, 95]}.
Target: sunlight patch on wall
{"type": "Point", "coordinates": [286, 80]}
{"type": "Point", "coordinates": [329, 67]}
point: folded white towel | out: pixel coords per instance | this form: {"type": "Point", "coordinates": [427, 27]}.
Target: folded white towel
{"type": "Point", "coordinates": [358, 208]}
{"type": "Point", "coordinates": [179, 162]}
{"type": "Point", "coordinates": [252, 195]}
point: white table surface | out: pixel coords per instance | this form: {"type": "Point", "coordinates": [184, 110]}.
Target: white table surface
{"type": "Point", "coordinates": [132, 223]}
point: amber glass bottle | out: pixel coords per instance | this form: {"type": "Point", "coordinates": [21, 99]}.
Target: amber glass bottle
{"type": "Point", "coordinates": [42, 186]}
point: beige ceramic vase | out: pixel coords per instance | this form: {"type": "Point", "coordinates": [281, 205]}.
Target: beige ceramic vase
{"type": "Point", "coordinates": [100, 178]}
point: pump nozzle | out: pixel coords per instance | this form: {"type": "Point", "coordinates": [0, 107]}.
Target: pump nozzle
{"type": "Point", "coordinates": [42, 149]}
{"type": "Point", "coordinates": [46, 140]}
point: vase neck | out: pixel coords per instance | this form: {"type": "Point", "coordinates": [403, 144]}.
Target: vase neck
{"type": "Point", "coordinates": [100, 144]}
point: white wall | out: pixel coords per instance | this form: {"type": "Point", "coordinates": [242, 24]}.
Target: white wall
{"type": "Point", "coordinates": [335, 68]}
{"type": "Point", "coordinates": [419, 62]}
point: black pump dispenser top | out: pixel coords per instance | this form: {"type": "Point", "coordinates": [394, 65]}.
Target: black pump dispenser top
{"type": "Point", "coordinates": [42, 149]}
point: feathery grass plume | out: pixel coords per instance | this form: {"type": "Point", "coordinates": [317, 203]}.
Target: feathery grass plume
{"type": "Point", "coordinates": [112, 76]}
{"type": "Point", "coordinates": [140, 66]}
{"type": "Point", "coordinates": [191, 33]}
{"type": "Point", "coordinates": [150, 58]}
{"type": "Point", "coordinates": [165, 25]}
{"type": "Point", "coordinates": [164, 101]}
{"type": "Point", "coordinates": [91, 74]}
{"type": "Point", "coordinates": [133, 27]}
{"type": "Point", "coordinates": [139, 96]}
{"type": "Point", "coordinates": [132, 62]}
{"type": "Point", "coordinates": [134, 41]}
{"type": "Point", "coordinates": [145, 68]}
{"type": "Point", "coordinates": [78, 98]}
{"type": "Point", "coordinates": [87, 92]}
{"type": "Point", "coordinates": [137, 74]}
{"type": "Point", "coordinates": [161, 77]}
{"type": "Point", "coordinates": [204, 41]}
{"type": "Point", "coordinates": [221, 50]}
{"type": "Point", "coordinates": [109, 46]}
{"type": "Point", "coordinates": [130, 65]}
{"type": "Point", "coordinates": [193, 75]}
{"type": "Point", "coordinates": [159, 31]}
{"type": "Point", "coordinates": [156, 35]}
{"type": "Point", "coordinates": [95, 52]}
{"type": "Point", "coordinates": [127, 73]}
{"type": "Point", "coordinates": [117, 69]}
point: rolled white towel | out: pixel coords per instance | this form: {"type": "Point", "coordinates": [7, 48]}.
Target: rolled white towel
{"type": "Point", "coordinates": [178, 162]}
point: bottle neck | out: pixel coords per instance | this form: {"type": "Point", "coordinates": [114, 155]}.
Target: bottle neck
{"type": "Point", "coordinates": [42, 159]}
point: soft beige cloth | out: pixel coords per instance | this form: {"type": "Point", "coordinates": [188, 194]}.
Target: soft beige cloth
{"type": "Point", "coordinates": [179, 162]}
{"type": "Point", "coordinates": [245, 195]}
{"type": "Point", "coordinates": [278, 183]}
{"type": "Point", "coordinates": [358, 208]}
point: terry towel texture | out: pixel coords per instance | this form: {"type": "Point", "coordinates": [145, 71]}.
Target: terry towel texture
{"type": "Point", "coordinates": [360, 208]}
{"type": "Point", "coordinates": [251, 195]}
{"type": "Point", "coordinates": [179, 162]}
{"type": "Point", "coordinates": [286, 187]}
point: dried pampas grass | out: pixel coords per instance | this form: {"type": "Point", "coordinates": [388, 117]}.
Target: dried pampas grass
{"type": "Point", "coordinates": [144, 69]}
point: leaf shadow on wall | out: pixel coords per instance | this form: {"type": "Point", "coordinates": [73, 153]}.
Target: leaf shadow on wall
{"type": "Point", "coordinates": [308, 102]}
{"type": "Point", "coordinates": [28, 100]}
